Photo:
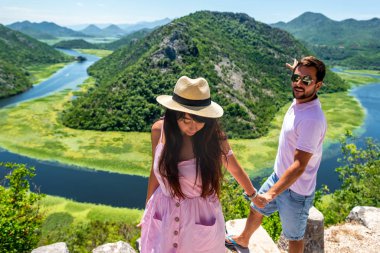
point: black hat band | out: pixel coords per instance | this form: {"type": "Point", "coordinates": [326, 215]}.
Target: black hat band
{"type": "Point", "coordinates": [191, 102]}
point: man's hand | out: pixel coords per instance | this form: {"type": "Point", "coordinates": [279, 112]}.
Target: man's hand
{"type": "Point", "coordinates": [291, 67]}
{"type": "Point", "coordinates": [260, 201]}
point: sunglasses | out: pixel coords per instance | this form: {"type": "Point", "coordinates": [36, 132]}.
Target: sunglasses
{"type": "Point", "coordinates": [194, 118]}
{"type": "Point", "coordinates": [306, 80]}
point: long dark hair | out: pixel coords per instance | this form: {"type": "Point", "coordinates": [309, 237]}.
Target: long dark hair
{"type": "Point", "coordinates": [207, 148]}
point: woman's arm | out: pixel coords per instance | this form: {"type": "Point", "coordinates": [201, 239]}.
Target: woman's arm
{"type": "Point", "coordinates": [155, 137]}
{"type": "Point", "coordinates": [233, 166]}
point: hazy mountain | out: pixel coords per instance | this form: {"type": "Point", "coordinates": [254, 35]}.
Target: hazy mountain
{"type": "Point", "coordinates": [242, 59]}
{"type": "Point", "coordinates": [44, 30]}
{"type": "Point", "coordinates": [92, 30]}
{"type": "Point", "coordinates": [18, 51]}
{"type": "Point", "coordinates": [126, 40]}
{"type": "Point", "coordinates": [123, 29]}
{"type": "Point", "coordinates": [146, 24]}
{"type": "Point", "coordinates": [349, 42]}
{"type": "Point", "coordinates": [113, 30]}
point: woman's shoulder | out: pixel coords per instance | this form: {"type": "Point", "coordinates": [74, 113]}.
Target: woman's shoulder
{"type": "Point", "coordinates": [157, 126]}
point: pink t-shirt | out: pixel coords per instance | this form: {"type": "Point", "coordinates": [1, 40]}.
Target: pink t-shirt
{"type": "Point", "coordinates": [304, 128]}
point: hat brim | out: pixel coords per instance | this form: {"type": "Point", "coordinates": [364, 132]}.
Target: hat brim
{"type": "Point", "coordinates": [211, 111]}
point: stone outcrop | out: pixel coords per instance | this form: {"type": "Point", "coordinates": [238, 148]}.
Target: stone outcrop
{"type": "Point", "coordinates": [366, 215]}
{"type": "Point", "coordinates": [59, 247]}
{"type": "Point", "coordinates": [118, 247]}
{"type": "Point", "coordinates": [260, 241]}
{"type": "Point", "coordinates": [360, 233]}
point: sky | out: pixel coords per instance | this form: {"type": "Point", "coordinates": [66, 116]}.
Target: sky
{"type": "Point", "coordinates": [74, 12]}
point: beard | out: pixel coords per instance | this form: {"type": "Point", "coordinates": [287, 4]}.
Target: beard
{"type": "Point", "coordinates": [305, 95]}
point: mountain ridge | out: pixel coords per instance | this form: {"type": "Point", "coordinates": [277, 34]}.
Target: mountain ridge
{"type": "Point", "coordinates": [44, 30]}
{"type": "Point", "coordinates": [352, 43]}
{"type": "Point", "coordinates": [18, 51]}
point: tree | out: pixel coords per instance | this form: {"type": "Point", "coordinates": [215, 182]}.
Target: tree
{"type": "Point", "coordinates": [360, 176]}
{"type": "Point", "coordinates": [20, 217]}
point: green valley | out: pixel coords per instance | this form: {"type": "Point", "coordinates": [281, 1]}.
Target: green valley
{"type": "Point", "coordinates": [242, 59]}
{"type": "Point", "coordinates": [18, 53]}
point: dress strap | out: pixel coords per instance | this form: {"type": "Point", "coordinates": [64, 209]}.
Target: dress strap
{"type": "Point", "coordinates": [162, 131]}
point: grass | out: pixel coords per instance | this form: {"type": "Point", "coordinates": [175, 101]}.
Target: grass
{"type": "Point", "coordinates": [36, 131]}
{"type": "Point", "coordinates": [40, 73]}
{"type": "Point", "coordinates": [86, 212]}
{"type": "Point", "coordinates": [33, 129]}
{"type": "Point", "coordinates": [363, 71]}
{"type": "Point", "coordinates": [356, 80]}
{"type": "Point", "coordinates": [98, 52]}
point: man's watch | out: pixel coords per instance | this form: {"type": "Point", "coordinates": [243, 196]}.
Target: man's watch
{"type": "Point", "coordinates": [252, 196]}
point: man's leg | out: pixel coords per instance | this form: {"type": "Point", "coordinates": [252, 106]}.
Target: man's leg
{"type": "Point", "coordinates": [253, 222]}
{"type": "Point", "coordinates": [294, 212]}
{"type": "Point", "coordinates": [296, 246]}
{"type": "Point", "coordinates": [255, 216]}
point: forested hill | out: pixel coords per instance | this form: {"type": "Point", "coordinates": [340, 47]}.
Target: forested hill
{"type": "Point", "coordinates": [243, 61]}
{"type": "Point", "coordinates": [350, 42]}
{"type": "Point", "coordinates": [18, 51]}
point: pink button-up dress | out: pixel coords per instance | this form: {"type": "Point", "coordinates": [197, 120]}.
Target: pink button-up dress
{"type": "Point", "coordinates": [193, 224]}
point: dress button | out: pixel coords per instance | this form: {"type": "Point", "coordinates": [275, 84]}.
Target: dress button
{"type": "Point", "coordinates": [176, 219]}
{"type": "Point", "coordinates": [175, 245]}
{"type": "Point", "coordinates": [175, 232]}
{"type": "Point", "coordinates": [177, 204]}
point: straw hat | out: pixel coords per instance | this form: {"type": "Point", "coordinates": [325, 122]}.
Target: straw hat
{"type": "Point", "coordinates": [192, 96]}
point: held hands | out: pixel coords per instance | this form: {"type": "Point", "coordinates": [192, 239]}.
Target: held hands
{"type": "Point", "coordinates": [262, 200]}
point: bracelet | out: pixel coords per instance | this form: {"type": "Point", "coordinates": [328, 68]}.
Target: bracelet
{"type": "Point", "coordinates": [253, 195]}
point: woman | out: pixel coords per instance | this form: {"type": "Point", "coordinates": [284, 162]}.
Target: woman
{"type": "Point", "coordinates": [183, 213]}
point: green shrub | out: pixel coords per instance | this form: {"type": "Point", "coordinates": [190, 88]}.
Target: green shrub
{"type": "Point", "coordinates": [360, 176]}
{"type": "Point", "coordinates": [20, 218]}
{"type": "Point", "coordinates": [235, 206]}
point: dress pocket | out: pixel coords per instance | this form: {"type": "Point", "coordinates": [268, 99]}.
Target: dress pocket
{"type": "Point", "coordinates": [206, 236]}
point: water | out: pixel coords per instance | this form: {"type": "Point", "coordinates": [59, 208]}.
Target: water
{"type": "Point", "coordinates": [81, 184]}
{"type": "Point", "coordinates": [68, 77]}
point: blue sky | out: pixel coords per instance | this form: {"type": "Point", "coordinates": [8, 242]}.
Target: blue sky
{"type": "Point", "coordinates": [72, 12]}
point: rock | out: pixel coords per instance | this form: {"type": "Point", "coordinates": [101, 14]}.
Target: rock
{"type": "Point", "coordinates": [366, 215]}
{"type": "Point", "coordinates": [360, 233]}
{"type": "Point", "coordinates": [260, 241]}
{"type": "Point", "coordinates": [351, 238]}
{"type": "Point", "coordinates": [314, 234]}
{"type": "Point", "coordinates": [118, 247]}
{"type": "Point", "coordinates": [59, 247]}
{"type": "Point", "coordinates": [138, 244]}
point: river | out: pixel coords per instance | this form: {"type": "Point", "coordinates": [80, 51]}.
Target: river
{"type": "Point", "coordinates": [88, 185]}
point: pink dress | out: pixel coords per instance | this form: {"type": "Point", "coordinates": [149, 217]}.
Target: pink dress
{"type": "Point", "coordinates": [194, 224]}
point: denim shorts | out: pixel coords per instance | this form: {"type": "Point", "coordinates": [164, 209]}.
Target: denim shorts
{"type": "Point", "coordinates": [292, 207]}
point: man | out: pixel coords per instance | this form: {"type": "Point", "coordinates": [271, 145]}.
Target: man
{"type": "Point", "coordinates": [290, 189]}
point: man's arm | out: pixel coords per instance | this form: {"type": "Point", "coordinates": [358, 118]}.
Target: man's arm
{"type": "Point", "coordinates": [301, 159]}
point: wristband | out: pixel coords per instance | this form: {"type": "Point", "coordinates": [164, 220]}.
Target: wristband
{"type": "Point", "coordinates": [252, 196]}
